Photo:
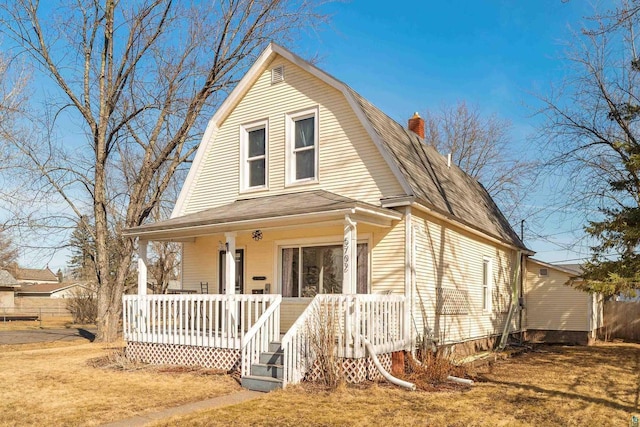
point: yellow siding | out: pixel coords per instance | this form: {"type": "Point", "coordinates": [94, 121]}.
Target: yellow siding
{"type": "Point", "coordinates": [552, 305]}
{"type": "Point", "coordinates": [452, 259]}
{"type": "Point", "coordinates": [350, 164]}
{"type": "Point", "coordinates": [387, 260]}
{"type": "Point", "coordinates": [386, 266]}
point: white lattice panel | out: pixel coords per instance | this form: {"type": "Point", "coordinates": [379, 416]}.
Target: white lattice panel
{"type": "Point", "coordinates": [354, 370]}
{"type": "Point", "coordinates": [184, 355]}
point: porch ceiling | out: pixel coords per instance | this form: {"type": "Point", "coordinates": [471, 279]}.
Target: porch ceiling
{"type": "Point", "coordinates": [279, 211]}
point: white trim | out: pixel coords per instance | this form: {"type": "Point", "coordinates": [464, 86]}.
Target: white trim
{"type": "Point", "coordinates": [335, 240]}
{"type": "Point", "coordinates": [244, 153]}
{"type": "Point", "coordinates": [409, 276]}
{"type": "Point", "coordinates": [463, 226]}
{"type": "Point", "coordinates": [488, 278]}
{"type": "Point", "coordinates": [290, 163]}
{"type": "Point", "coordinates": [194, 170]}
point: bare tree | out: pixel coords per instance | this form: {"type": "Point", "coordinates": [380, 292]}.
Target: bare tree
{"type": "Point", "coordinates": [481, 146]}
{"type": "Point", "coordinates": [8, 252]}
{"type": "Point", "coordinates": [138, 79]}
{"type": "Point", "coordinates": [591, 134]}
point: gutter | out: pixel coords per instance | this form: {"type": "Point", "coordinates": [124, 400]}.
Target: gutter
{"type": "Point", "coordinates": [410, 201]}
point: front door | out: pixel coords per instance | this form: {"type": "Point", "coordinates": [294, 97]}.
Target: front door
{"type": "Point", "coordinates": [239, 271]}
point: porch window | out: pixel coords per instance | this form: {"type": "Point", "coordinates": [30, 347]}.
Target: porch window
{"type": "Point", "coordinates": [253, 147]}
{"type": "Point", "coordinates": [311, 270]}
{"type": "Point", "coordinates": [302, 151]}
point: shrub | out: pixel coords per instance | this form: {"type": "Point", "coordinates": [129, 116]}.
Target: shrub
{"type": "Point", "coordinates": [83, 306]}
{"type": "Point", "coordinates": [322, 339]}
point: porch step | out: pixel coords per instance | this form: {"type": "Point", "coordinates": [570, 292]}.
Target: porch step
{"type": "Point", "coordinates": [258, 383]}
{"type": "Point", "coordinates": [267, 370]}
{"type": "Point", "coordinates": [267, 374]}
{"type": "Point", "coordinates": [272, 357]}
{"type": "Point", "coordinates": [275, 347]}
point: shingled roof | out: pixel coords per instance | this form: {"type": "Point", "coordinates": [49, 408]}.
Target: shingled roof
{"type": "Point", "coordinates": [6, 279]}
{"type": "Point", "coordinates": [446, 189]}
{"type": "Point", "coordinates": [35, 274]}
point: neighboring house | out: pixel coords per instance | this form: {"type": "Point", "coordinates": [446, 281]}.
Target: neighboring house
{"type": "Point", "coordinates": [304, 197]}
{"type": "Point", "coordinates": [556, 312]}
{"type": "Point", "coordinates": [8, 285]}
{"type": "Point", "coordinates": [34, 275]}
{"type": "Point", "coordinates": [52, 290]}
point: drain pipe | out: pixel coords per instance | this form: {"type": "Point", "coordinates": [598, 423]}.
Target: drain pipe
{"type": "Point", "coordinates": [387, 376]}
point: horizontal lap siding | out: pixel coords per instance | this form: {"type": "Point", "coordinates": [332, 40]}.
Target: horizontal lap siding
{"type": "Point", "coordinates": [451, 258]}
{"type": "Point", "coordinates": [552, 305]}
{"type": "Point", "coordinates": [350, 164]}
{"type": "Point", "coordinates": [387, 260]}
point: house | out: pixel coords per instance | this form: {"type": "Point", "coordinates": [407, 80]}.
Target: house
{"type": "Point", "coordinates": [52, 290]}
{"type": "Point", "coordinates": [34, 275]}
{"type": "Point", "coordinates": [556, 312]}
{"type": "Point", "coordinates": [306, 205]}
{"type": "Point", "coordinates": [8, 285]}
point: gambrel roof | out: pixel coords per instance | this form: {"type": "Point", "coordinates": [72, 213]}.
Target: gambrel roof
{"type": "Point", "coordinates": [445, 189]}
{"type": "Point", "coordinates": [421, 171]}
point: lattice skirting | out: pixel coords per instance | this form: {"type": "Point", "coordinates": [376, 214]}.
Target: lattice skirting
{"type": "Point", "coordinates": [355, 370]}
{"type": "Point", "coordinates": [184, 355]}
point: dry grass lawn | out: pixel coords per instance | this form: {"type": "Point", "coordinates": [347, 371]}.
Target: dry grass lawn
{"type": "Point", "coordinates": [48, 322]}
{"type": "Point", "coordinates": [54, 384]}
{"type": "Point", "coordinates": [553, 386]}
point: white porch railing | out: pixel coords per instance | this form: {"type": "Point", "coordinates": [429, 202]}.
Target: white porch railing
{"type": "Point", "coordinates": [206, 320]}
{"type": "Point", "coordinates": [379, 318]}
{"type": "Point", "coordinates": [266, 330]}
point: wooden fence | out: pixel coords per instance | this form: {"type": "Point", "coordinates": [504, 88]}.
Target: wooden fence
{"type": "Point", "coordinates": [622, 320]}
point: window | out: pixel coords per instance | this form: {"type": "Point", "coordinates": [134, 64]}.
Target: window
{"type": "Point", "coordinates": [253, 148]}
{"type": "Point", "coordinates": [486, 284]}
{"type": "Point", "coordinates": [302, 147]}
{"type": "Point", "coordinates": [543, 272]}
{"type": "Point", "coordinates": [311, 270]}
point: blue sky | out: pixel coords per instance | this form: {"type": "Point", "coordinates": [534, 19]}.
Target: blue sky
{"type": "Point", "coordinates": [418, 55]}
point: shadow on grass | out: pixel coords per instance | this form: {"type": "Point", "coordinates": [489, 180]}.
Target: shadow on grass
{"type": "Point", "coordinates": [566, 395]}
{"type": "Point", "coordinates": [88, 335]}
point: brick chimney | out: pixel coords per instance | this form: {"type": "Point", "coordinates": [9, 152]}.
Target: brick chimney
{"type": "Point", "coordinates": [416, 125]}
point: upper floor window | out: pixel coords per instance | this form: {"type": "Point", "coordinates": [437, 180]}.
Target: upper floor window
{"type": "Point", "coordinates": [487, 284]}
{"type": "Point", "coordinates": [302, 147]}
{"type": "Point", "coordinates": [253, 150]}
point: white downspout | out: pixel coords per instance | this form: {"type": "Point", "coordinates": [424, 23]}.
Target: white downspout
{"type": "Point", "coordinates": [387, 376]}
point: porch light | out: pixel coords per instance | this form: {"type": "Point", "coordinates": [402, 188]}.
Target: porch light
{"type": "Point", "coordinates": [257, 235]}
{"type": "Point", "coordinates": [223, 246]}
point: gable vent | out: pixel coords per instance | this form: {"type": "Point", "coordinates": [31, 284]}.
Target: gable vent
{"type": "Point", "coordinates": [543, 272]}
{"type": "Point", "coordinates": [277, 74]}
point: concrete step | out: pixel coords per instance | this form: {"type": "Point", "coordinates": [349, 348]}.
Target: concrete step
{"type": "Point", "coordinates": [264, 384]}
{"type": "Point", "coordinates": [267, 370]}
{"type": "Point", "coordinates": [275, 347]}
{"type": "Point", "coordinates": [272, 358]}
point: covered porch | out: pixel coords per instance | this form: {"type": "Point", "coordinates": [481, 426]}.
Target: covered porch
{"type": "Point", "coordinates": [258, 271]}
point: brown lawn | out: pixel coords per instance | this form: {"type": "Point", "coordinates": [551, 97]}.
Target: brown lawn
{"type": "Point", "coordinates": [553, 386]}
{"type": "Point", "coordinates": [54, 384]}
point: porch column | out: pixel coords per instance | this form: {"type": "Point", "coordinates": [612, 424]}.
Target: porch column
{"type": "Point", "coordinates": [350, 256]}
{"type": "Point", "coordinates": [142, 267]}
{"type": "Point", "coordinates": [230, 264]}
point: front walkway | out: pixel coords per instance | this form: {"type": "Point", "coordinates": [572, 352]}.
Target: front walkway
{"type": "Point", "coordinates": [213, 403]}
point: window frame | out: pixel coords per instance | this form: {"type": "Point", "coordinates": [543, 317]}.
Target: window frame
{"type": "Point", "coordinates": [487, 284]}
{"type": "Point", "coordinates": [291, 119]}
{"type": "Point", "coordinates": [364, 238]}
{"type": "Point", "coordinates": [245, 170]}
